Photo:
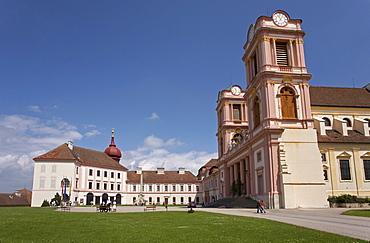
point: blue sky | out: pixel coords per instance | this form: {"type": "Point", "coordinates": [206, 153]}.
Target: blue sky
{"type": "Point", "coordinates": [71, 70]}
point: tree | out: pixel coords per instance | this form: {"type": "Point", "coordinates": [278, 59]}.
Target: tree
{"type": "Point", "coordinates": [57, 199]}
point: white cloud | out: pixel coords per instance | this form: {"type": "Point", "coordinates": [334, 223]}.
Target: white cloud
{"type": "Point", "coordinates": [34, 108]}
{"type": "Point", "coordinates": [92, 133]}
{"type": "Point", "coordinates": [156, 153]}
{"type": "Point", "coordinates": [23, 138]}
{"type": "Point", "coordinates": [154, 116]}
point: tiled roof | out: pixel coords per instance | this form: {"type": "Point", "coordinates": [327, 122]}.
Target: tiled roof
{"type": "Point", "coordinates": [212, 162]}
{"type": "Point", "coordinates": [333, 136]}
{"type": "Point", "coordinates": [19, 198]}
{"type": "Point", "coordinates": [339, 97]}
{"type": "Point", "coordinates": [167, 177]}
{"type": "Point", "coordinates": [82, 156]}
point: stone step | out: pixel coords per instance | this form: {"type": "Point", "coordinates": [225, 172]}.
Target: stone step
{"type": "Point", "coordinates": [234, 202]}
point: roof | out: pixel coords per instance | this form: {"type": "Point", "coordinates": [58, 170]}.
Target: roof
{"type": "Point", "coordinates": [167, 177]}
{"type": "Point", "coordinates": [81, 156]}
{"type": "Point", "coordinates": [339, 97]}
{"type": "Point", "coordinates": [333, 136]}
{"type": "Point", "coordinates": [19, 198]}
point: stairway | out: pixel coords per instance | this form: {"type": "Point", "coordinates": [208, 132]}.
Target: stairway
{"type": "Point", "coordinates": [234, 202]}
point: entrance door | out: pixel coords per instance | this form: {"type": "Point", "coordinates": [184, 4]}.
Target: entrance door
{"type": "Point", "coordinates": [166, 200]}
{"type": "Point", "coordinates": [105, 197]}
{"type": "Point", "coordinates": [118, 199]}
{"type": "Point", "coordinates": [89, 198]}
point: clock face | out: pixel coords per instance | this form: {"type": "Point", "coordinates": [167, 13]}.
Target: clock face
{"type": "Point", "coordinates": [235, 90]}
{"type": "Point", "coordinates": [280, 19]}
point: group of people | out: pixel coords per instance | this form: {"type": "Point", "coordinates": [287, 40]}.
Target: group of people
{"type": "Point", "coordinates": [107, 204]}
{"type": "Point", "coordinates": [261, 206]}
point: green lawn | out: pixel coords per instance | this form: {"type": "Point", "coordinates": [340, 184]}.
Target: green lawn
{"type": "Point", "coordinates": [359, 212]}
{"type": "Point", "coordinates": [46, 225]}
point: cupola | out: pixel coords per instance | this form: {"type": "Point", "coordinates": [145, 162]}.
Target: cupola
{"type": "Point", "coordinates": [112, 151]}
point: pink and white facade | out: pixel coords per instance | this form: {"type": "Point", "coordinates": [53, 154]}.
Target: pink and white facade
{"type": "Point", "coordinates": [266, 136]}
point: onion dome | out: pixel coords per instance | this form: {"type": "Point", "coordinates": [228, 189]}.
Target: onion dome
{"type": "Point", "coordinates": [112, 151]}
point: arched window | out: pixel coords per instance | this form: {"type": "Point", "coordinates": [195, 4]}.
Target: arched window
{"type": "Point", "coordinates": [327, 121]}
{"type": "Point", "coordinates": [288, 103]}
{"type": "Point", "coordinates": [348, 122]}
{"type": "Point", "coordinates": [256, 112]}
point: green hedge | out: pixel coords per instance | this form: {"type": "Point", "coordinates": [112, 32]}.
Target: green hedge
{"type": "Point", "coordinates": [346, 198]}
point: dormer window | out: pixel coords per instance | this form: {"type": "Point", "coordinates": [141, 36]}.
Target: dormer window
{"type": "Point", "coordinates": [327, 121]}
{"type": "Point", "coordinates": [348, 122]}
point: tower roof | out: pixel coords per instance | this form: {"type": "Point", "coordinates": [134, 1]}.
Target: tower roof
{"type": "Point", "coordinates": [112, 151]}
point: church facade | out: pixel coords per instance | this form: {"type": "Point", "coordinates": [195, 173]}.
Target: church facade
{"type": "Point", "coordinates": [282, 141]}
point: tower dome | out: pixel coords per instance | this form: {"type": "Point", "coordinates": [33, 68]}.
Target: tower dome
{"type": "Point", "coordinates": [112, 151]}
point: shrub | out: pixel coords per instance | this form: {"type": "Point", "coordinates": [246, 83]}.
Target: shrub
{"type": "Point", "coordinates": [346, 198]}
{"type": "Point", "coordinates": [45, 203]}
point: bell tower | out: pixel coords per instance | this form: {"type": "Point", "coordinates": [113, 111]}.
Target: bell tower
{"type": "Point", "coordinates": [278, 105]}
{"type": "Point", "coordinates": [232, 118]}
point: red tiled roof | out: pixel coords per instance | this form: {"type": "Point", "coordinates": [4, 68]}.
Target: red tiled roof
{"type": "Point", "coordinates": [167, 177]}
{"type": "Point", "coordinates": [82, 156]}
{"type": "Point", "coordinates": [333, 136]}
{"type": "Point", "coordinates": [339, 97]}
{"type": "Point", "coordinates": [19, 198]}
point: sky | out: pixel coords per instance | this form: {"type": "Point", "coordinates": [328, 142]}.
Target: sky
{"type": "Point", "coordinates": [72, 70]}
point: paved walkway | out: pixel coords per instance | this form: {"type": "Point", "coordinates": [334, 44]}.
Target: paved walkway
{"type": "Point", "coordinates": [328, 220]}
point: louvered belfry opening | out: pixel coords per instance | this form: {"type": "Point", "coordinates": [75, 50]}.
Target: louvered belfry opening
{"type": "Point", "coordinates": [282, 54]}
{"type": "Point", "coordinates": [236, 112]}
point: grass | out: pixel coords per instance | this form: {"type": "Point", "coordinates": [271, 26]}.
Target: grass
{"type": "Point", "coordinates": [359, 212]}
{"type": "Point", "coordinates": [46, 225]}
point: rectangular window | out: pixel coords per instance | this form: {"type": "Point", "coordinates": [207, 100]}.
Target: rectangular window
{"type": "Point", "coordinates": [158, 200]}
{"type": "Point", "coordinates": [112, 187]}
{"type": "Point", "coordinates": [197, 188]}
{"type": "Point", "coordinates": [181, 188]}
{"type": "Point", "coordinates": [97, 186]}
{"type": "Point", "coordinates": [174, 200]}
{"type": "Point", "coordinates": [254, 63]}
{"type": "Point", "coordinates": [118, 187]}
{"type": "Point", "coordinates": [134, 188]}
{"type": "Point", "coordinates": [158, 188]}
{"type": "Point", "coordinates": [282, 54]}
{"type": "Point", "coordinates": [150, 188]}
{"type": "Point", "coordinates": [76, 185]}
{"type": "Point", "coordinates": [42, 182]}
{"type": "Point", "coordinates": [52, 183]}
{"type": "Point", "coordinates": [43, 168]}
{"type": "Point", "coordinates": [98, 173]}
{"type": "Point", "coordinates": [166, 188]}
{"type": "Point", "coordinates": [182, 200]}
{"type": "Point", "coordinates": [323, 157]}
{"type": "Point", "coordinates": [77, 170]}
{"type": "Point", "coordinates": [173, 188]}
{"type": "Point", "coordinates": [53, 168]}
{"type": "Point", "coordinates": [259, 157]}
{"type": "Point", "coordinates": [90, 185]}
{"type": "Point", "coordinates": [119, 175]}
{"type": "Point", "coordinates": [105, 174]}
{"type": "Point", "coordinates": [112, 175]}
{"type": "Point", "coordinates": [105, 186]}
{"type": "Point", "coordinates": [367, 169]}
{"type": "Point", "coordinates": [189, 188]}
{"type": "Point", "coordinates": [345, 172]}
{"type": "Point", "coordinates": [236, 112]}
{"type": "Point", "coordinates": [150, 199]}
{"type": "Point", "coordinates": [90, 172]}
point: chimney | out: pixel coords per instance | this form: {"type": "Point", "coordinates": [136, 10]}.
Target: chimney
{"type": "Point", "coordinates": [70, 145]}
{"type": "Point", "coordinates": [160, 171]}
{"type": "Point", "coordinates": [139, 170]}
{"type": "Point", "coordinates": [181, 171]}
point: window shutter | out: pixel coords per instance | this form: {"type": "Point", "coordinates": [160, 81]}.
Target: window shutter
{"type": "Point", "coordinates": [281, 54]}
{"type": "Point", "coordinates": [236, 112]}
